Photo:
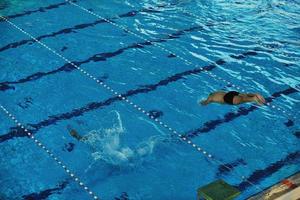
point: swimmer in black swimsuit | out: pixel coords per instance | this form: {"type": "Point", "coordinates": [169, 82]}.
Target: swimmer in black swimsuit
{"type": "Point", "coordinates": [233, 98]}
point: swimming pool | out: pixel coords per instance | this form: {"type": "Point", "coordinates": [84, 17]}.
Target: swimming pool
{"type": "Point", "coordinates": [128, 76]}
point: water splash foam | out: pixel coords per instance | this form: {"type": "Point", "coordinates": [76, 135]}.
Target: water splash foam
{"type": "Point", "coordinates": [107, 146]}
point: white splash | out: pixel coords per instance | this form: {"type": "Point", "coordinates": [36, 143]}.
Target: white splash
{"type": "Point", "coordinates": [106, 145]}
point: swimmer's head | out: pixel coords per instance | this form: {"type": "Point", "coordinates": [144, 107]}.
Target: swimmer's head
{"type": "Point", "coordinates": [73, 133]}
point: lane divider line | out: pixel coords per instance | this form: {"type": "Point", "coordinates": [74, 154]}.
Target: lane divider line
{"type": "Point", "coordinates": [49, 152]}
{"type": "Point", "coordinates": [217, 78]}
{"type": "Point", "coordinates": [135, 106]}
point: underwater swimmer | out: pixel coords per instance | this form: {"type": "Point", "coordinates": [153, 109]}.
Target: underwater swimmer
{"type": "Point", "coordinates": [75, 134]}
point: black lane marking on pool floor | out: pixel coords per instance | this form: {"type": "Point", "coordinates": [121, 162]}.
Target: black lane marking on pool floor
{"type": "Point", "coordinates": [18, 132]}
{"type": "Point", "coordinates": [97, 58]}
{"type": "Point", "coordinates": [224, 170]}
{"type": "Point", "coordinates": [123, 196]}
{"type": "Point", "coordinates": [289, 123]}
{"type": "Point", "coordinates": [230, 116]}
{"type": "Point", "coordinates": [297, 134]}
{"type": "Point", "coordinates": [156, 113]}
{"type": "Point", "coordinates": [73, 29]}
{"type": "Point", "coordinates": [259, 175]}
{"type": "Point", "coordinates": [54, 6]}
{"type": "Point", "coordinates": [41, 9]}
{"type": "Point", "coordinates": [44, 194]}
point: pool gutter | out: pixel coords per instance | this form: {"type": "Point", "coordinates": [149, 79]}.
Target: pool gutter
{"type": "Point", "coordinates": [287, 189]}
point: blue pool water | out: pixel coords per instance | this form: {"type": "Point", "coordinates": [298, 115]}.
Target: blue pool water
{"type": "Point", "coordinates": [152, 53]}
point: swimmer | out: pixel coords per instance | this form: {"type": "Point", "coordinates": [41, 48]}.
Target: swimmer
{"type": "Point", "coordinates": [75, 134]}
{"type": "Point", "coordinates": [233, 98]}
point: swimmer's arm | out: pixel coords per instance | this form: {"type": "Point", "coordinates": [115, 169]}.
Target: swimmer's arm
{"type": "Point", "coordinates": [250, 97]}
{"type": "Point", "coordinates": [245, 98]}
